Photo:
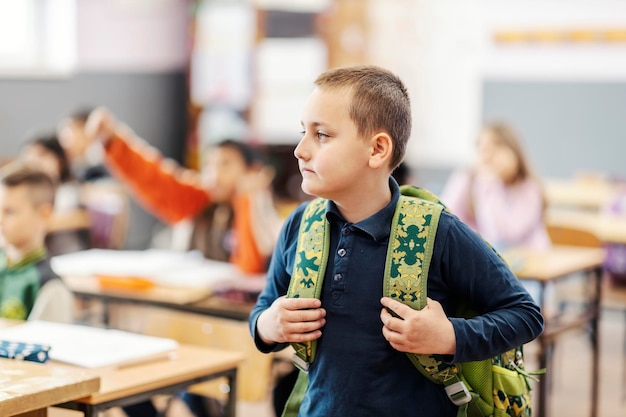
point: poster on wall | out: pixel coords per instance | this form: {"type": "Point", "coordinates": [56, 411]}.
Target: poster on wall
{"type": "Point", "coordinates": [221, 59]}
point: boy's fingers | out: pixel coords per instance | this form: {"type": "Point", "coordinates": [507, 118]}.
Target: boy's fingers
{"type": "Point", "coordinates": [390, 323]}
{"type": "Point", "coordinates": [300, 316]}
{"type": "Point", "coordinates": [300, 303]}
{"type": "Point", "coordinates": [397, 307]}
{"type": "Point", "coordinates": [306, 327]}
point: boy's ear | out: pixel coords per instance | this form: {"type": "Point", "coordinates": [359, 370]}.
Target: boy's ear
{"type": "Point", "coordinates": [381, 150]}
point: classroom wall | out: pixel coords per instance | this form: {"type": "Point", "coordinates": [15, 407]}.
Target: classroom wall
{"type": "Point", "coordinates": [567, 127]}
{"type": "Point", "coordinates": [131, 57]}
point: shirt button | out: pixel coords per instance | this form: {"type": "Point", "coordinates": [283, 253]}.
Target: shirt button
{"type": "Point", "coordinates": [337, 277]}
{"type": "Point", "coordinates": [345, 231]}
{"type": "Point", "coordinates": [341, 252]}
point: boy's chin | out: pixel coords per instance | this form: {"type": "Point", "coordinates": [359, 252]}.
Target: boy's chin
{"type": "Point", "coordinates": [311, 190]}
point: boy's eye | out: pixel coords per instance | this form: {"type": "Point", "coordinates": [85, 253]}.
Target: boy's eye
{"type": "Point", "coordinates": [322, 135]}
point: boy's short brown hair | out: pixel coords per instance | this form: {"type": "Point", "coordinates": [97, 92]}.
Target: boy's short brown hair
{"type": "Point", "coordinates": [42, 188]}
{"type": "Point", "coordinates": [380, 101]}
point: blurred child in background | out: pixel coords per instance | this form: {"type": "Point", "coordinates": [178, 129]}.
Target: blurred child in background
{"type": "Point", "coordinates": [86, 161]}
{"type": "Point", "coordinates": [229, 202]}
{"type": "Point", "coordinates": [69, 226]}
{"type": "Point", "coordinates": [499, 196]}
{"type": "Point", "coordinates": [29, 288]}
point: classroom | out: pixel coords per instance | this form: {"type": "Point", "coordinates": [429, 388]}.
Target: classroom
{"type": "Point", "coordinates": [158, 157]}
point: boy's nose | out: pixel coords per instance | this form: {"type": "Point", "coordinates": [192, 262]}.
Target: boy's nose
{"type": "Point", "coordinates": [299, 152]}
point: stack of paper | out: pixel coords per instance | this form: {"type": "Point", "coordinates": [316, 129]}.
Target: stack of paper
{"type": "Point", "coordinates": [163, 267]}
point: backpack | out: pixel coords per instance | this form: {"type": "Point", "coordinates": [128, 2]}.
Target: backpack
{"type": "Point", "coordinates": [492, 387]}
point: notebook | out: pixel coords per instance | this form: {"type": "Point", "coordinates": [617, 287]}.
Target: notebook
{"type": "Point", "coordinates": [90, 347]}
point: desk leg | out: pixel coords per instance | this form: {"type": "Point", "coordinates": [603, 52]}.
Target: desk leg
{"type": "Point", "coordinates": [595, 342]}
{"type": "Point", "coordinates": [106, 314]}
{"type": "Point", "coordinates": [231, 404]}
{"type": "Point", "coordinates": [544, 353]}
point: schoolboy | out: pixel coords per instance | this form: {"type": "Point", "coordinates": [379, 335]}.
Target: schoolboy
{"type": "Point", "coordinates": [27, 199]}
{"type": "Point", "coordinates": [355, 127]}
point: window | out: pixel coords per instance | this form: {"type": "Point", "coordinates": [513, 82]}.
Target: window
{"type": "Point", "coordinates": [37, 37]}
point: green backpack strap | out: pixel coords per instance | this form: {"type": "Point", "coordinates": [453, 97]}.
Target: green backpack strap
{"type": "Point", "coordinates": [410, 250]}
{"type": "Point", "coordinates": [309, 268]}
{"type": "Point", "coordinates": [306, 282]}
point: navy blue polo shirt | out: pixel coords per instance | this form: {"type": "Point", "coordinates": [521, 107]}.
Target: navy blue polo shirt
{"type": "Point", "coordinates": [356, 372]}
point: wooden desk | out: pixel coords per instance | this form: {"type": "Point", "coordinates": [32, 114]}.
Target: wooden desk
{"type": "Point", "coordinates": [552, 266]}
{"type": "Point", "coordinates": [189, 365]}
{"type": "Point", "coordinates": [28, 388]}
{"type": "Point", "coordinates": [608, 228]}
{"type": "Point", "coordinates": [589, 194]}
{"type": "Point", "coordinates": [191, 300]}
{"type": "Point", "coordinates": [191, 317]}
{"type": "Point", "coordinates": [87, 288]}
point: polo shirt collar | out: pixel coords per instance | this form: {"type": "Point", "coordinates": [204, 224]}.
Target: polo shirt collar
{"type": "Point", "coordinates": [376, 226]}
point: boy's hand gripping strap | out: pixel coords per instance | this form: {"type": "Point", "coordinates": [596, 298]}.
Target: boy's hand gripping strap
{"type": "Point", "coordinates": [410, 250]}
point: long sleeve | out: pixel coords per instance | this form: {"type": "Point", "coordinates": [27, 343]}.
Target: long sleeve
{"type": "Point", "coordinates": [170, 193]}
{"type": "Point", "coordinates": [279, 274]}
{"type": "Point", "coordinates": [465, 270]}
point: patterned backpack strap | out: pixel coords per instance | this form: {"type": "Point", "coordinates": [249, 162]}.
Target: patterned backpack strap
{"type": "Point", "coordinates": [309, 268]}
{"type": "Point", "coordinates": [410, 250]}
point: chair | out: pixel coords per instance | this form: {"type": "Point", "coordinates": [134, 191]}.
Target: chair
{"type": "Point", "coordinates": [108, 207]}
{"type": "Point", "coordinates": [562, 235]}
{"type": "Point", "coordinates": [614, 295]}
{"type": "Point", "coordinates": [54, 302]}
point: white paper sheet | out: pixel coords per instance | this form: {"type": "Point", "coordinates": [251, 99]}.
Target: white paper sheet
{"type": "Point", "coordinates": [90, 347]}
{"type": "Point", "coordinates": [163, 267]}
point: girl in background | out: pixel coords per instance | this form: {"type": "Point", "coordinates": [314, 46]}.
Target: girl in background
{"type": "Point", "coordinates": [499, 196]}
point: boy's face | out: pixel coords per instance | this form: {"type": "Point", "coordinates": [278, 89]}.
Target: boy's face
{"type": "Point", "coordinates": [224, 169]}
{"type": "Point", "coordinates": [23, 224]}
{"type": "Point", "coordinates": [332, 156]}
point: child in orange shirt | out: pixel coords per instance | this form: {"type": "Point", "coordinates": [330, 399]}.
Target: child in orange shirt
{"type": "Point", "coordinates": [229, 202]}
